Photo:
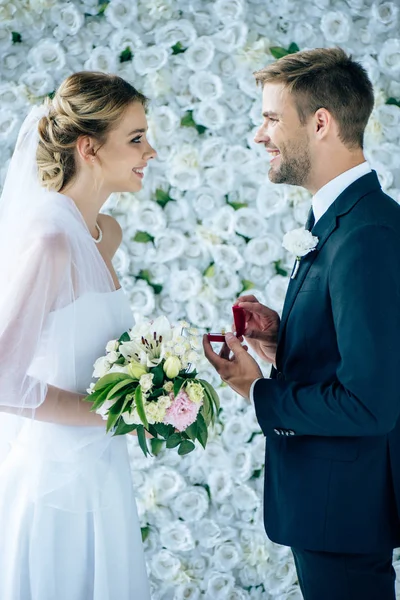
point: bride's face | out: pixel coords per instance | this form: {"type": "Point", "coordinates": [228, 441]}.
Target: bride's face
{"type": "Point", "coordinates": [126, 152]}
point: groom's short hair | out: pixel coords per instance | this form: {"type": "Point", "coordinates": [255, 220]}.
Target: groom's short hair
{"type": "Point", "coordinates": [326, 78]}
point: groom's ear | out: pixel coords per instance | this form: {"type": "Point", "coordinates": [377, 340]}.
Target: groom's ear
{"type": "Point", "coordinates": [323, 123]}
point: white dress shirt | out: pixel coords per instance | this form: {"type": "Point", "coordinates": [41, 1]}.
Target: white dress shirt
{"type": "Point", "coordinates": [324, 198]}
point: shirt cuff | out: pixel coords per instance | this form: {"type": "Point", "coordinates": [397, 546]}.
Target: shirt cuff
{"type": "Point", "coordinates": [251, 394]}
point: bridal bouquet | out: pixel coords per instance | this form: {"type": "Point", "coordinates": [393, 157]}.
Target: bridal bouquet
{"type": "Point", "coordinates": [146, 382]}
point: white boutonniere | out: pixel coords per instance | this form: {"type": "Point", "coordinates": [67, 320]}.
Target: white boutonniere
{"type": "Point", "coordinates": [299, 242]}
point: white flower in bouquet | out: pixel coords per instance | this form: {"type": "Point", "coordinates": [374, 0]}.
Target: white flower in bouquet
{"type": "Point", "coordinates": [200, 54]}
{"type": "Point", "coordinates": [47, 55]}
{"type": "Point", "coordinates": [101, 367]}
{"type": "Point", "coordinates": [150, 59]}
{"type": "Point", "coordinates": [336, 26]}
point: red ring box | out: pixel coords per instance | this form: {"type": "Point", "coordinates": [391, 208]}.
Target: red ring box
{"type": "Point", "coordinates": [239, 319]}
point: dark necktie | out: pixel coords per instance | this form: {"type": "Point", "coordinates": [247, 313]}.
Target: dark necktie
{"type": "Point", "coordinates": [310, 220]}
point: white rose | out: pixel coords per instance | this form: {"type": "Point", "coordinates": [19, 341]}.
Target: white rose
{"type": "Point", "coordinates": [170, 245]}
{"type": "Point", "coordinates": [101, 59]}
{"type": "Point", "coordinates": [200, 312]}
{"type": "Point", "coordinates": [207, 533]}
{"type": "Point", "coordinates": [200, 54]}
{"type": "Point", "coordinates": [384, 15]}
{"type": "Point", "coordinates": [226, 67]}
{"type": "Point", "coordinates": [149, 217]}
{"type": "Point", "coordinates": [191, 505]}
{"type": "Point", "coordinates": [220, 585]}
{"type": "Point", "coordinates": [227, 556]}
{"type": "Point", "coordinates": [210, 114]}
{"type": "Point", "coordinates": [120, 13]}
{"type": "Point", "coordinates": [187, 178]}
{"type": "Point", "coordinates": [168, 483]}
{"type": "Point", "coordinates": [242, 462]}
{"type": "Point", "coordinates": [12, 95]}
{"type": "Point", "coordinates": [164, 121]}
{"type": "Point", "coordinates": [142, 298]}
{"type": "Point", "coordinates": [258, 274]}
{"type": "Point", "coordinates": [385, 154]}
{"type": "Point", "coordinates": [5, 40]}
{"type": "Point", "coordinates": [99, 31]}
{"type": "Point", "coordinates": [187, 591]}
{"type": "Point", "coordinates": [222, 222]}
{"type": "Point", "coordinates": [270, 201]}
{"type": "Point", "coordinates": [165, 565]}
{"type": "Point", "coordinates": [176, 536]}
{"type": "Point", "coordinates": [389, 57]}
{"type": "Point", "coordinates": [205, 86]}
{"type": "Point", "coordinates": [176, 31]}
{"type": "Point", "coordinates": [101, 367]}
{"type": "Point", "coordinates": [231, 37]}
{"type": "Point", "coordinates": [221, 484]}
{"type": "Point", "coordinates": [146, 382]}
{"type": "Point", "coordinates": [47, 55]}
{"type": "Point", "coordinates": [389, 117]}
{"type": "Point", "coordinates": [150, 59]}
{"type": "Point", "coordinates": [282, 576]}
{"type": "Point", "coordinates": [125, 38]}
{"type": "Point", "coordinates": [212, 151]}
{"type": "Point", "coordinates": [206, 200]}
{"type": "Point", "coordinates": [221, 178]}
{"type": "Point", "coordinates": [336, 26]}
{"type": "Point", "coordinates": [185, 284]}
{"type": "Point", "coordinates": [225, 282]}
{"type": "Point", "coordinates": [249, 223]}
{"type": "Point", "coordinates": [229, 11]}
{"type": "Point", "coordinates": [236, 431]}
{"type": "Point", "coordinates": [263, 249]}
{"type": "Point", "coordinates": [299, 242]}
{"type": "Point", "coordinates": [226, 256]}
{"type": "Point", "coordinates": [276, 291]}
{"type": "Point", "coordinates": [67, 18]}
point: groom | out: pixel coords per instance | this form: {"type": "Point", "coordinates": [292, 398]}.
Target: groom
{"type": "Point", "coordinates": [330, 410]}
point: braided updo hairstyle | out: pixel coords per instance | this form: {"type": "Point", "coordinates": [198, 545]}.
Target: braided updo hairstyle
{"type": "Point", "coordinates": [86, 103]}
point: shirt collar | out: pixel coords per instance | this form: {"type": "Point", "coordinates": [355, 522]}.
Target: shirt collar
{"type": "Point", "coordinates": [330, 191]}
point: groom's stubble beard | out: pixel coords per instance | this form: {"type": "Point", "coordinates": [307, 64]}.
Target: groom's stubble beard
{"type": "Point", "coordinates": [295, 163]}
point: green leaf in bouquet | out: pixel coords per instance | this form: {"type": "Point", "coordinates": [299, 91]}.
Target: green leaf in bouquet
{"type": "Point", "coordinates": [202, 430]}
{"type": "Point", "coordinates": [120, 361]}
{"type": "Point", "coordinates": [178, 383]}
{"type": "Point", "coordinates": [140, 406]}
{"type": "Point", "coordinates": [122, 428]}
{"type": "Point", "coordinates": [119, 386]}
{"type": "Point", "coordinates": [124, 337]}
{"type": "Point", "coordinates": [185, 447]}
{"type": "Point", "coordinates": [206, 410]}
{"type": "Point", "coordinates": [112, 419]}
{"type": "Point", "coordinates": [165, 431]}
{"type": "Point", "coordinates": [98, 398]}
{"type": "Point", "coordinates": [278, 51]}
{"type": "Point", "coordinates": [142, 439]}
{"type": "Point", "coordinates": [186, 375]}
{"type": "Point", "coordinates": [118, 406]}
{"type": "Point", "coordinates": [212, 393]}
{"type": "Point", "coordinates": [174, 440]}
{"type": "Point", "coordinates": [110, 378]}
{"type": "Point", "coordinates": [158, 375]}
{"type": "Point", "coordinates": [156, 446]}
{"type": "Point", "coordinates": [191, 431]}
{"type": "Point", "coordinates": [145, 533]}
{"type": "Point", "coordinates": [156, 393]}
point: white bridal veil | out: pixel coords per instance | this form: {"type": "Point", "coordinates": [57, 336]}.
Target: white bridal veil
{"type": "Point", "coordinates": [48, 260]}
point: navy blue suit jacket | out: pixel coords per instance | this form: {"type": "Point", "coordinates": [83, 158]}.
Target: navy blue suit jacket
{"type": "Point", "coordinates": [331, 410]}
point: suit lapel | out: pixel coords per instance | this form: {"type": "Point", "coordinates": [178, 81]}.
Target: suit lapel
{"type": "Point", "coordinates": [323, 229]}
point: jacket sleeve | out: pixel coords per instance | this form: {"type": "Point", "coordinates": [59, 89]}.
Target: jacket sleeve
{"type": "Point", "coordinates": [364, 398]}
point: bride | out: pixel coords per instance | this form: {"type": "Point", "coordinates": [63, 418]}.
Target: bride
{"type": "Point", "coordinates": [68, 520]}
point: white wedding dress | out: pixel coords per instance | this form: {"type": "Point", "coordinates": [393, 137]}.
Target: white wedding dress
{"type": "Point", "coordinates": [69, 528]}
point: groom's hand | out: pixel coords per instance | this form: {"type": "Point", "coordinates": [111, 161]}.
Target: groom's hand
{"type": "Point", "coordinates": [262, 327]}
{"type": "Point", "coordinates": [239, 370]}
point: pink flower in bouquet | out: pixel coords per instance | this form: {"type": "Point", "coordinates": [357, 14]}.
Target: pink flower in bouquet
{"type": "Point", "coordinates": [182, 412]}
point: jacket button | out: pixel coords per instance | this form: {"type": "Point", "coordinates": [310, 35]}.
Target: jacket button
{"type": "Point", "coordinates": [291, 432]}
{"type": "Point", "coordinates": [279, 376]}
{"type": "Point", "coordinates": [277, 431]}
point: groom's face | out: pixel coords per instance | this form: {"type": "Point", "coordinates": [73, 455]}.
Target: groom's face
{"type": "Point", "coordinates": [284, 137]}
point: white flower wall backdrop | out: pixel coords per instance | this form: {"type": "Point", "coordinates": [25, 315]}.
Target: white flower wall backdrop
{"type": "Point", "coordinates": [207, 225]}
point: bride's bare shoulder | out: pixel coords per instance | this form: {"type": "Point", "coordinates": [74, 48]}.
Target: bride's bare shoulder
{"type": "Point", "coordinates": [112, 232]}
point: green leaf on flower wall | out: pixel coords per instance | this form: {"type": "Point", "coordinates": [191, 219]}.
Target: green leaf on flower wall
{"type": "Point", "coordinates": [247, 285]}
{"type": "Point", "coordinates": [162, 197]}
{"type": "Point", "coordinates": [145, 275]}
{"type": "Point", "coordinates": [210, 271]}
{"type": "Point", "coordinates": [188, 121]}
{"type": "Point", "coordinates": [178, 48]}
{"type": "Point", "coordinates": [393, 101]}
{"type": "Point", "coordinates": [16, 37]}
{"type": "Point", "coordinates": [142, 237]}
{"type": "Point", "coordinates": [145, 533]}
{"type": "Point", "coordinates": [293, 48]}
{"type": "Point", "coordinates": [237, 205]}
{"type": "Point", "coordinates": [102, 7]}
{"type": "Point", "coordinates": [278, 52]}
{"type": "Point", "coordinates": [279, 270]}
{"type": "Point", "coordinates": [126, 55]}
{"type": "Point", "coordinates": [51, 94]}
{"type": "Point", "coordinates": [185, 447]}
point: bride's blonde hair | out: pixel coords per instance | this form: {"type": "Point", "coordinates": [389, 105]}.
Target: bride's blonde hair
{"type": "Point", "coordinates": [86, 103]}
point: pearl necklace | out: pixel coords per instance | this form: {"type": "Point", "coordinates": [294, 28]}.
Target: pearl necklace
{"type": "Point", "coordinates": [100, 235]}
